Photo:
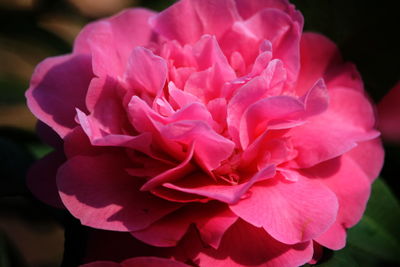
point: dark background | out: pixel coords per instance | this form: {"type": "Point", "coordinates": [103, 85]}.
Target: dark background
{"type": "Point", "coordinates": [32, 234]}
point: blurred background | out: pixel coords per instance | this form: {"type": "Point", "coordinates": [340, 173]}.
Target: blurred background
{"type": "Point", "coordinates": [32, 234]}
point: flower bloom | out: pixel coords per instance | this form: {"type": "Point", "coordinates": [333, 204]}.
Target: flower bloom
{"type": "Point", "coordinates": [215, 127]}
{"type": "Point", "coordinates": [389, 115]}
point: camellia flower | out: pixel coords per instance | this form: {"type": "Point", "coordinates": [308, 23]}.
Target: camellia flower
{"type": "Point", "coordinates": [215, 129]}
{"type": "Point", "coordinates": [389, 115]}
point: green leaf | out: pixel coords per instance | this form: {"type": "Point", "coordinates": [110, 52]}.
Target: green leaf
{"type": "Point", "coordinates": [39, 150]}
{"type": "Point", "coordinates": [341, 258]}
{"type": "Point", "coordinates": [378, 233]}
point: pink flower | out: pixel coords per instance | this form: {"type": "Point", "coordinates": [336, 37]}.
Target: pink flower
{"type": "Point", "coordinates": [389, 115]}
{"type": "Point", "coordinates": [216, 114]}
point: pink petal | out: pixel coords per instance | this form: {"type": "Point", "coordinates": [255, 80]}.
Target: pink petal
{"type": "Point", "coordinates": [246, 245]}
{"type": "Point", "coordinates": [199, 17]}
{"type": "Point", "coordinates": [58, 86]}
{"type": "Point", "coordinates": [98, 137]}
{"type": "Point", "coordinates": [289, 212]}
{"type": "Point", "coordinates": [146, 71]}
{"type": "Point", "coordinates": [180, 97]}
{"type": "Point", "coordinates": [100, 202]}
{"type": "Point", "coordinates": [248, 8]}
{"type": "Point", "coordinates": [177, 196]}
{"type": "Point", "coordinates": [77, 143]}
{"type": "Point", "coordinates": [279, 28]}
{"type": "Point", "coordinates": [318, 53]}
{"type": "Point", "coordinates": [105, 93]}
{"type": "Point", "coordinates": [348, 120]}
{"type": "Point", "coordinates": [369, 156]}
{"type": "Point", "coordinates": [253, 91]}
{"type": "Point", "coordinates": [344, 75]}
{"type": "Point", "coordinates": [217, 108]}
{"type": "Point", "coordinates": [267, 146]}
{"type": "Point", "coordinates": [176, 173]}
{"type": "Point", "coordinates": [129, 29]}
{"type": "Point", "coordinates": [352, 195]}
{"type": "Point", "coordinates": [316, 100]}
{"type": "Point", "coordinates": [200, 184]}
{"type": "Point", "coordinates": [389, 115]}
{"type": "Point", "coordinates": [210, 148]}
{"type": "Point", "coordinates": [212, 220]}
{"type": "Point", "coordinates": [103, 48]}
{"type": "Point", "coordinates": [41, 178]}
{"type": "Point", "coordinates": [334, 238]}
{"type": "Point", "coordinates": [258, 115]}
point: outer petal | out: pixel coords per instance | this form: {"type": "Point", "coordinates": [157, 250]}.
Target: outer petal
{"type": "Point", "coordinates": [198, 16]}
{"type": "Point", "coordinates": [98, 191]}
{"type": "Point", "coordinates": [320, 58]}
{"type": "Point", "coordinates": [369, 156]}
{"type": "Point", "coordinates": [290, 212]}
{"type": "Point", "coordinates": [352, 195]}
{"type": "Point", "coordinates": [111, 41]}
{"type": "Point", "coordinates": [41, 179]}
{"type": "Point", "coordinates": [246, 245]}
{"type": "Point", "coordinates": [130, 28]}
{"type": "Point", "coordinates": [317, 54]}
{"type": "Point", "coordinates": [248, 8]}
{"type": "Point", "coordinates": [58, 86]}
{"type": "Point", "coordinates": [348, 120]}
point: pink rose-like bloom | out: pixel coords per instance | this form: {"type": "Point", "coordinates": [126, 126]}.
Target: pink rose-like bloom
{"type": "Point", "coordinates": [389, 115]}
{"type": "Point", "coordinates": [216, 127]}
